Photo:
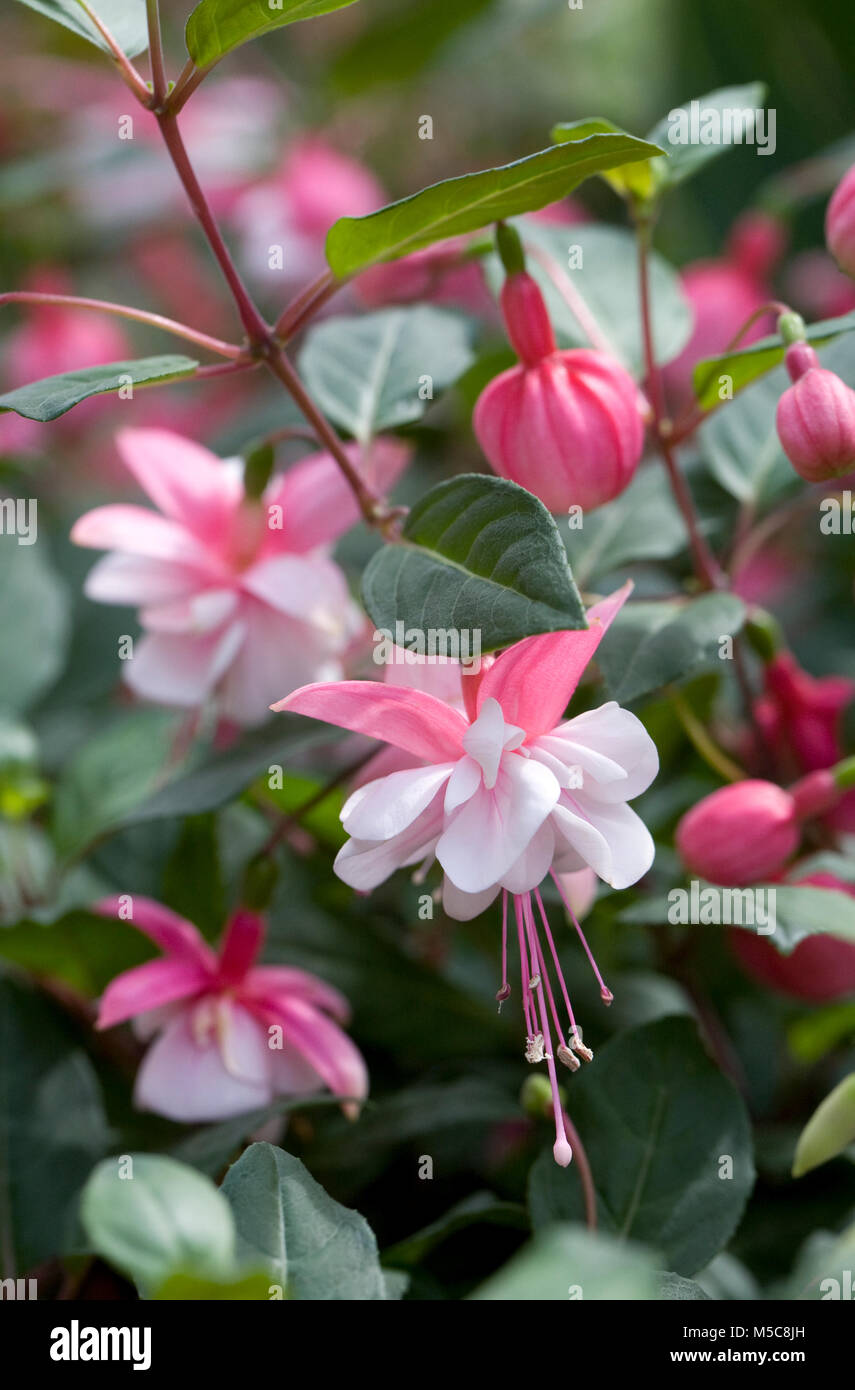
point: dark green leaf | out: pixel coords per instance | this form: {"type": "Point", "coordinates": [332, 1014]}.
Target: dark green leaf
{"type": "Point", "coordinates": [659, 1123]}
{"type": "Point", "coordinates": [651, 644]}
{"type": "Point", "coordinates": [471, 201]}
{"type": "Point", "coordinates": [52, 1129]}
{"type": "Point", "coordinates": [477, 555]}
{"type": "Point", "coordinates": [54, 395]}
{"type": "Point", "coordinates": [82, 949]}
{"type": "Point", "coordinates": [312, 1246]}
{"type": "Point", "coordinates": [642, 524]}
{"type": "Point", "coordinates": [151, 1217]}
{"type": "Point", "coordinates": [629, 180]}
{"type": "Point", "coordinates": [482, 1208]}
{"type": "Point", "coordinates": [740, 443]}
{"type": "Point", "coordinates": [368, 373]}
{"type": "Point", "coordinates": [672, 1286]}
{"type": "Point", "coordinates": [193, 878]}
{"type": "Point", "coordinates": [216, 27]}
{"type": "Point", "coordinates": [125, 19]}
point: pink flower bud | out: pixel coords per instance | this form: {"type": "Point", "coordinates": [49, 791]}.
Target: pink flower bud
{"type": "Point", "coordinates": [564, 424]}
{"type": "Point", "coordinates": [821, 968]}
{"type": "Point", "coordinates": [840, 223]}
{"type": "Point", "coordinates": [816, 418]}
{"type": "Point", "coordinates": [756, 243]}
{"type": "Point", "coordinates": [739, 834]}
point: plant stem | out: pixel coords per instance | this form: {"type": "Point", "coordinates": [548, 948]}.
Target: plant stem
{"type": "Point", "coordinates": [305, 304]}
{"type": "Point", "coordinates": [573, 299]}
{"type": "Point", "coordinates": [373, 508]}
{"type": "Point", "coordinates": [584, 1169]}
{"type": "Point", "coordinates": [707, 568]}
{"type": "Point", "coordinates": [126, 69]}
{"type": "Point", "coordinates": [257, 330]}
{"type": "Point", "coordinates": [291, 819]}
{"type": "Point", "coordinates": [701, 741]}
{"type": "Point", "coordinates": [159, 83]}
{"type": "Point", "coordinates": [188, 80]}
{"type": "Point", "coordinates": [180, 330]}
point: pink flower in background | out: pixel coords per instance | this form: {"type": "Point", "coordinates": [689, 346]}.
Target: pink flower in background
{"type": "Point", "coordinates": [506, 793]}
{"type": "Point", "coordinates": [724, 293]}
{"type": "Point", "coordinates": [232, 1035]}
{"type": "Point", "coordinates": [295, 208]}
{"type": "Point", "coordinates": [820, 968]}
{"type": "Point", "coordinates": [238, 598]}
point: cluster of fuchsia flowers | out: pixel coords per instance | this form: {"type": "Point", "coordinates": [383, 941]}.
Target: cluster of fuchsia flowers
{"type": "Point", "coordinates": [242, 604]}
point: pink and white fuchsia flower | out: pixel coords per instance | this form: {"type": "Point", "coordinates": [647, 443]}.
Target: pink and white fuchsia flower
{"type": "Point", "coordinates": [506, 793]}
{"type": "Point", "coordinates": [239, 598]}
{"type": "Point", "coordinates": [233, 1035]}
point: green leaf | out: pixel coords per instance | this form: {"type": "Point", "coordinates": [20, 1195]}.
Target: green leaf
{"type": "Point", "coordinates": [651, 644]}
{"type": "Point", "coordinates": [52, 1128]}
{"type": "Point", "coordinates": [658, 1122]}
{"type": "Point", "coordinates": [151, 1217]}
{"type": "Point", "coordinates": [477, 555]}
{"type": "Point", "coordinates": [400, 42]}
{"type": "Point", "coordinates": [740, 443]}
{"type": "Point", "coordinates": [193, 877]}
{"type": "Point", "coordinates": [367, 373]}
{"type": "Point", "coordinates": [471, 201]}
{"type": "Point", "coordinates": [82, 949]}
{"type": "Point", "coordinates": [635, 181]}
{"type": "Point", "coordinates": [54, 395]}
{"type": "Point", "coordinates": [125, 19]}
{"type": "Point", "coordinates": [807, 911]}
{"type": "Point", "coordinates": [747, 364]}
{"type": "Point", "coordinates": [312, 1246]}
{"type": "Point", "coordinates": [245, 1287]}
{"type": "Point", "coordinates": [603, 274]}
{"type": "Point", "coordinates": [643, 524]}
{"type": "Point", "coordinates": [482, 1208]}
{"type": "Point", "coordinates": [217, 27]}
{"type": "Point", "coordinates": [568, 1261]}
{"type": "Point", "coordinates": [830, 1129]}
{"type": "Point", "coordinates": [684, 160]}
{"type": "Point", "coordinates": [111, 775]}
{"type": "Point", "coordinates": [34, 624]}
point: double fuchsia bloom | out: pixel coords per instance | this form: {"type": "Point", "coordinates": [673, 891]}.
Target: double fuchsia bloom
{"type": "Point", "coordinates": [239, 598]}
{"type": "Point", "coordinates": [816, 418]}
{"type": "Point", "coordinates": [233, 1035]}
{"type": "Point", "coordinates": [506, 793]}
{"type": "Point", "coordinates": [566, 425]}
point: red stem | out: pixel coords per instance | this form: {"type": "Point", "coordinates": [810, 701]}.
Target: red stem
{"type": "Point", "coordinates": [180, 330]}
{"type": "Point", "coordinates": [584, 1168]}
{"type": "Point", "coordinates": [127, 71]}
{"type": "Point", "coordinates": [159, 83]}
{"type": "Point", "coordinates": [707, 568]}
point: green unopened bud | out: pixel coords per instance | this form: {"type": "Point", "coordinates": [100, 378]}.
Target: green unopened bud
{"type": "Point", "coordinates": [258, 469]}
{"type": "Point", "coordinates": [536, 1097]}
{"type": "Point", "coordinates": [791, 328]}
{"type": "Point", "coordinates": [510, 248]}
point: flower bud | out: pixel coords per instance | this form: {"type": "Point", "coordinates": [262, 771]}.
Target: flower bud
{"type": "Point", "coordinates": [840, 223]}
{"type": "Point", "coordinates": [565, 424]}
{"type": "Point", "coordinates": [816, 418]}
{"type": "Point", "coordinates": [739, 834]}
{"type": "Point", "coordinates": [822, 966]}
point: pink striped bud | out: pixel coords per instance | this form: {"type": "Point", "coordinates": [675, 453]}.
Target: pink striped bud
{"type": "Point", "coordinates": [840, 223]}
{"type": "Point", "coordinates": [816, 418]}
{"type": "Point", "coordinates": [564, 424]}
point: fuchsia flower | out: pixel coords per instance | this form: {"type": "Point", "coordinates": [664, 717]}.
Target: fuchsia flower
{"type": "Point", "coordinates": [233, 1035]}
{"type": "Point", "coordinates": [816, 418]}
{"type": "Point", "coordinates": [505, 793]}
{"type": "Point", "coordinates": [566, 425]}
{"type": "Point", "coordinates": [747, 831]}
{"type": "Point", "coordinates": [821, 968]}
{"type": "Point", "coordinates": [238, 598]}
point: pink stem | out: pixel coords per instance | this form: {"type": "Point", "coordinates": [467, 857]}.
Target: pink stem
{"type": "Point", "coordinates": [127, 71]}
{"type": "Point", "coordinates": [604, 989]}
{"type": "Point", "coordinates": [179, 330]}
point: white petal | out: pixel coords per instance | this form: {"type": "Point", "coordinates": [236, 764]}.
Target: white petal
{"type": "Point", "coordinates": [533, 864]}
{"type": "Point", "coordinates": [487, 835]}
{"type": "Point", "coordinates": [386, 807]}
{"type": "Point", "coordinates": [464, 906]}
{"type": "Point", "coordinates": [363, 864]}
{"type": "Point", "coordinates": [629, 840]}
{"type": "Point", "coordinates": [618, 735]}
{"type": "Point", "coordinates": [463, 783]}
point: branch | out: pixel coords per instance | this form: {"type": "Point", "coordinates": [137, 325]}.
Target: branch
{"type": "Point", "coordinates": [179, 330]}
{"type": "Point", "coordinates": [159, 83]}
{"type": "Point", "coordinates": [127, 71]}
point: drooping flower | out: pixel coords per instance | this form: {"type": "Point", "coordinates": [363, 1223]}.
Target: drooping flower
{"type": "Point", "coordinates": [232, 1035]}
{"type": "Point", "coordinates": [567, 425]}
{"type": "Point", "coordinates": [815, 418]}
{"type": "Point", "coordinates": [819, 969]}
{"type": "Point", "coordinates": [748, 830]}
{"type": "Point", "coordinates": [506, 793]}
{"type": "Point", "coordinates": [239, 598]}
{"type": "Point", "coordinates": [840, 223]}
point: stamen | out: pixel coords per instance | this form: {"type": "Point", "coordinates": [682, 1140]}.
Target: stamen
{"type": "Point", "coordinates": [534, 1051]}
{"type": "Point", "coordinates": [566, 1056]}
{"type": "Point", "coordinates": [505, 990]}
{"type": "Point", "coordinates": [555, 960]}
{"type": "Point", "coordinates": [605, 993]}
{"type": "Point", "coordinates": [577, 1045]}
{"type": "Point", "coordinates": [561, 1149]}
{"type": "Point", "coordinates": [525, 972]}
